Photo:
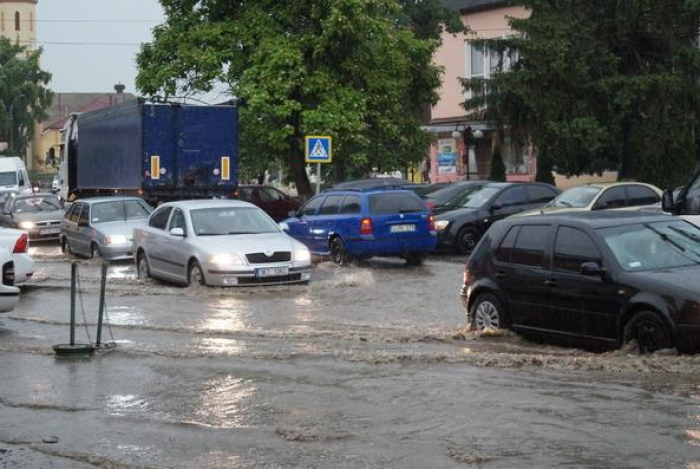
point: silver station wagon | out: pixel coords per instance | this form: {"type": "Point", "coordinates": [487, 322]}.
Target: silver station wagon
{"type": "Point", "coordinates": [102, 226]}
{"type": "Point", "coordinates": [218, 243]}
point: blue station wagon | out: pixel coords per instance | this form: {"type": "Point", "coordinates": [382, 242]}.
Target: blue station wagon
{"type": "Point", "coordinates": [359, 224]}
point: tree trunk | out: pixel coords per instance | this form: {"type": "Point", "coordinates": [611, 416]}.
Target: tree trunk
{"type": "Point", "coordinates": [296, 162]}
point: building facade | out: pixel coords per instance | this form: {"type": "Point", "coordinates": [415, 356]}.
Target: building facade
{"type": "Point", "coordinates": [463, 144]}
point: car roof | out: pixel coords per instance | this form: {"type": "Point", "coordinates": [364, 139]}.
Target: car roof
{"type": "Point", "coordinates": [596, 219]}
{"type": "Point", "coordinates": [604, 185]}
{"type": "Point", "coordinates": [366, 190]}
{"type": "Point", "coordinates": [92, 200]}
{"type": "Point", "coordinates": [209, 203]}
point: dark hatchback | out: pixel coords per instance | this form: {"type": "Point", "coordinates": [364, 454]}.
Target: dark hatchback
{"type": "Point", "coordinates": [273, 201]}
{"type": "Point", "coordinates": [595, 280]}
{"type": "Point", "coordinates": [461, 227]}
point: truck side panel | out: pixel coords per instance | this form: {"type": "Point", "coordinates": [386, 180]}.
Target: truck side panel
{"type": "Point", "coordinates": [110, 148]}
{"type": "Point", "coordinates": [159, 141]}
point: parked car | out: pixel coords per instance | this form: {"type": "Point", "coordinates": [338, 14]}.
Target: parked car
{"type": "Point", "coordinates": [218, 243]}
{"type": "Point", "coordinates": [354, 224]}
{"type": "Point", "coordinates": [686, 201]}
{"type": "Point", "coordinates": [9, 293]}
{"type": "Point", "coordinates": [599, 279]}
{"type": "Point", "coordinates": [39, 214]}
{"type": "Point", "coordinates": [17, 242]}
{"type": "Point", "coordinates": [102, 226]}
{"type": "Point", "coordinates": [602, 196]}
{"type": "Point", "coordinates": [377, 182]}
{"type": "Point", "coordinates": [461, 228]}
{"type": "Point", "coordinates": [452, 196]}
{"type": "Point", "coordinates": [273, 201]}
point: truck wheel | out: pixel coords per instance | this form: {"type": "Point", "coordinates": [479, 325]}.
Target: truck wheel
{"type": "Point", "coordinates": [195, 275]}
{"type": "Point", "coordinates": [143, 271]}
{"type": "Point", "coordinates": [95, 251]}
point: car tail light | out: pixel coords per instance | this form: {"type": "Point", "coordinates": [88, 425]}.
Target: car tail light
{"type": "Point", "coordinates": [366, 226]}
{"type": "Point", "coordinates": [8, 273]}
{"type": "Point", "coordinates": [467, 275]}
{"type": "Point", "coordinates": [431, 205]}
{"type": "Point", "coordinates": [21, 244]}
{"type": "Point", "coordinates": [431, 222]}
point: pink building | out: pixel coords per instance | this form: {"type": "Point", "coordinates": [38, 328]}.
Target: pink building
{"type": "Point", "coordinates": [451, 156]}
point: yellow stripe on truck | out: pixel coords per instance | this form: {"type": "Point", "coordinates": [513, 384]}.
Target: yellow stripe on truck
{"type": "Point", "coordinates": [155, 167]}
{"type": "Point", "coordinates": [225, 168]}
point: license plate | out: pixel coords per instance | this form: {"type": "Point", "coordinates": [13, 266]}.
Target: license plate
{"type": "Point", "coordinates": [272, 272]}
{"type": "Point", "coordinates": [50, 231]}
{"type": "Point", "coordinates": [402, 228]}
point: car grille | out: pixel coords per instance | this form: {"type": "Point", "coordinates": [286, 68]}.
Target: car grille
{"type": "Point", "coordinates": [44, 224]}
{"type": "Point", "coordinates": [278, 279]}
{"type": "Point", "coordinates": [262, 258]}
{"type": "Point", "coordinates": [8, 273]}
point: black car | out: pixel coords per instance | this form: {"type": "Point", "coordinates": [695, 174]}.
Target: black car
{"type": "Point", "coordinates": [452, 196]}
{"type": "Point", "coordinates": [595, 279]}
{"type": "Point", "coordinates": [461, 227]}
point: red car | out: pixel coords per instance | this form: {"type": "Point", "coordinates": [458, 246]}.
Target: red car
{"type": "Point", "coordinates": [273, 201]}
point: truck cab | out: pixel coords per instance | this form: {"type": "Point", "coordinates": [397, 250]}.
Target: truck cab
{"type": "Point", "coordinates": [687, 201]}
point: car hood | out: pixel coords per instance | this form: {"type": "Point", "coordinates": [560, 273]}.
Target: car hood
{"type": "Point", "coordinates": [120, 227]}
{"type": "Point", "coordinates": [248, 243]}
{"type": "Point", "coordinates": [44, 215]}
{"type": "Point", "coordinates": [683, 278]}
{"type": "Point", "coordinates": [457, 213]}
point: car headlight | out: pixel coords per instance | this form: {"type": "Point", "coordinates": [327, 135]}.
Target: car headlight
{"type": "Point", "coordinates": [302, 254]}
{"type": "Point", "coordinates": [116, 239]}
{"type": "Point", "coordinates": [26, 225]}
{"type": "Point", "coordinates": [224, 259]}
{"type": "Point", "coordinates": [440, 225]}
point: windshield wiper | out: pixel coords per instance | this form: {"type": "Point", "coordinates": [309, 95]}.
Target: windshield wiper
{"type": "Point", "coordinates": [673, 242]}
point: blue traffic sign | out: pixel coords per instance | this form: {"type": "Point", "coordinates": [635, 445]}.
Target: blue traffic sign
{"type": "Point", "coordinates": [318, 149]}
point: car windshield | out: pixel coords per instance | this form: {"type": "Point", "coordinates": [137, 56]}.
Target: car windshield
{"type": "Point", "coordinates": [577, 197]}
{"type": "Point", "coordinates": [8, 178]}
{"type": "Point", "coordinates": [477, 198]}
{"type": "Point", "coordinates": [111, 211]}
{"type": "Point", "coordinates": [452, 195]}
{"type": "Point", "coordinates": [659, 245]}
{"type": "Point", "coordinates": [36, 204]}
{"type": "Point", "coordinates": [231, 221]}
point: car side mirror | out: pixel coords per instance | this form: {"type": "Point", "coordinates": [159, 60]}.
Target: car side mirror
{"type": "Point", "coordinates": [593, 269]}
{"type": "Point", "coordinates": [667, 204]}
{"type": "Point", "coordinates": [177, 232]}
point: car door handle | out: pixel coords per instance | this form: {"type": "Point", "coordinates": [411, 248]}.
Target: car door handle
{"type": "Point", "coordinates": [550, 283]}
{"type": "Point", "coordinates": [499, 275]}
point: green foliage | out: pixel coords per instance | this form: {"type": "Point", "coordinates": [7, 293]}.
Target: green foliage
{"type": "Point", "coordinates": [602, 84]}
{"type": "Point", "coordinates": [498, 168]}
{"type": "Point", "coordinates": [358, 70]}
{"type": "Point", "coordinates": [23, 95]}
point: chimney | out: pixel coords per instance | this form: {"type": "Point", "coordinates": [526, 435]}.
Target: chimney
{"type": "Point", "coordinates": [119, 88]}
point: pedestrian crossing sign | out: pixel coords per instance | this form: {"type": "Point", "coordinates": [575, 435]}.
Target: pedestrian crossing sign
{"type": "Point", "coordinates": [318, 149]}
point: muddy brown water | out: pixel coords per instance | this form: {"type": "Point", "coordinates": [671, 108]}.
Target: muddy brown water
{"type": "Point", "coordinates": [366, 367]}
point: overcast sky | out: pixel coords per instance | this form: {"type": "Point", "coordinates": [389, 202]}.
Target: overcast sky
{"type": "Point", "coordinates": [91, 45]}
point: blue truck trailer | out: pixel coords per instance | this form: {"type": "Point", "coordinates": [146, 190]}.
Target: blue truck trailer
{"type": "Point", "coordinates": [158, 151]}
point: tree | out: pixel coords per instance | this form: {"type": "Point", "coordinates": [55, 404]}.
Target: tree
{"type": "Point", "coordinates": [23, 95]}
{"type": "Point", "coordinates": [498, 168]}
{"type": "Point", "coordinates": [358, 70]}
{"type": "Point", "coordinates": [601, 84]}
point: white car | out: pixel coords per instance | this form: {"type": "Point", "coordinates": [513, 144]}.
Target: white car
{"type": "Point", "coordinates": [17, 243]}
{"type": "Point", "coordinates": [9, 293]}
{"type": "Point", "coordinates": [219, 243]}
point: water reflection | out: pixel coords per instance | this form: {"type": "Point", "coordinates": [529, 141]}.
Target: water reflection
{"type": "Point", "coordinates": [224, 402]}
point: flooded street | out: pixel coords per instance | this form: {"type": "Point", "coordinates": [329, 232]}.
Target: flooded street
{"type": "Point", "coordinates": [368, 366]}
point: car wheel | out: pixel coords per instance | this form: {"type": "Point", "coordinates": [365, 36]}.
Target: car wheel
{"type": "Point", "coordinates": [650, 332]}
{"type": "Point", "coordinates": [415, 258]}
{"type": "Point", "coordinates": [195, 274]}
{"type": "Point", "coordinates": [487, 313]}
{"type": "Point", "coordinates": [95, 251]}
{"type": "Point", "coordinates": [143, 270]}
{"type": "Point", "coordinates": [467, 239]}
{"type": "Point", "coordinates": [339, 253]}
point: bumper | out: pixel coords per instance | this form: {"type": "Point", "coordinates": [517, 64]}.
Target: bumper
{"type": "Point", "coordinates": [377, 247]}
{"type": "Point", "coordinates": [9, 297]}
{"type": "Point", "coordinates": [217, 277]}
{"type": "Point", "coordinates": [24, 267]}
{"type": "Point", "coordinates": [117, 252]}
{"type": "Point", "coordinates": [44, 234]}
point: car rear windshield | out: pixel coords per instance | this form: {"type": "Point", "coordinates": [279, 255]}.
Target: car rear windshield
{"type": "Point", "coordinates": [398, 202]}
{"type": "Point", "coordinates": [106, 212]}
{"type": "Point", "coordinates": [659, 245]}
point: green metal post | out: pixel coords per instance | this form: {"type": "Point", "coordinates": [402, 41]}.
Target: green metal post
{"type": "Point", "coordinates": [100, 314]}
{"type": "Point", "coordinates": [73, 276]}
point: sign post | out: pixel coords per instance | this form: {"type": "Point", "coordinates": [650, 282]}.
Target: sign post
{"type": "Point", "coordinates": [318, 150]}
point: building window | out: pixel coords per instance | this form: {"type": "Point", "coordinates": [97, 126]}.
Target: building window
{"type": "Point", "coordinates": [482, 63]}
{"type": "Point", "coordinates": [516, 156]}
{"type": "Point", "coordinates": [17, 21]}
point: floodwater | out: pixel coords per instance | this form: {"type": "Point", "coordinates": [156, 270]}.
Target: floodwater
{"type": "Point", "coordinates": [368, 366]}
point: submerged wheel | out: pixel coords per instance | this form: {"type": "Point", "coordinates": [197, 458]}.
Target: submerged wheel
{"type": "Point", "coordinates": [195, 275]}
{"type": "Point", "coordinates": [415, 258]}
{"type": "Point", "coordinates": [650, 332]}
{"type": "Point", "coordinates": [143, 270]}
{"type": "Point", "coordinates": [95, 251]}
{"type": "Point", "coordinates": [339, 254]}
{"type": "Point", "coordinates": [487, 313]}
{"type": "Point", "coordinates": [467, 239]}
